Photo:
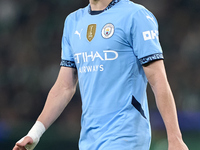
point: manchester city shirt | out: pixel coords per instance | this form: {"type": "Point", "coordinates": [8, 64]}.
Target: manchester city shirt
{"type": "Point", "coordinates": [108, 50]}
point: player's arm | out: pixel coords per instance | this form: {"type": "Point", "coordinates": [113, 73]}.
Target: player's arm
{"type": "Point", "coordinates": [58, 98]}
{"type": "Point", "coordinates": [156, 75]}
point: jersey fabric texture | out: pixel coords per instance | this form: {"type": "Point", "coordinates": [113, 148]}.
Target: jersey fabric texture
{"type": "Point", "coordinates": [108, 50]}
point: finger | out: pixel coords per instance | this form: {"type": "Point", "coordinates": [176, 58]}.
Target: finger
{"type": "Point", "coordinates": [21, 140]}
{"type": "Point", "coordinates": [18, 148]}
{"type": "Point", "coordinates": [24, 141]}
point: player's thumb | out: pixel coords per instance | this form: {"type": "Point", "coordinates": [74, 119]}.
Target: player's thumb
{"type": "Point", "coordinates": [24, 141]}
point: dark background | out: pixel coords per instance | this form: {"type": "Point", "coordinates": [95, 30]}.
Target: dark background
{"type": "Point", "coordinates": [30, 48]}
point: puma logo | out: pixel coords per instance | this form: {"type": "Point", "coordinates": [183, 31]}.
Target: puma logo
{"type": "Point", "coordinates": [151, 18]}
{"type": "Point", "coordinates": [79, 34]}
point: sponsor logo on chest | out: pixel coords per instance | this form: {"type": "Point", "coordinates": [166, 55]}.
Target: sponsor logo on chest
{"type": "Point", "coordinates": [92, 56]}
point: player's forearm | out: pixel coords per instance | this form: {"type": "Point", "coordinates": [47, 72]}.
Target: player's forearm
{"type": "Point", "coordinates": [157, 78]}
{"type": "Point", "coordinates": [57, 100]}
{"type": "Point", "coordinates": [166, 105]}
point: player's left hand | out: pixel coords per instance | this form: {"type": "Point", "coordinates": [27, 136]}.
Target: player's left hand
{"type": "Point", "coordinates": [177, 145]}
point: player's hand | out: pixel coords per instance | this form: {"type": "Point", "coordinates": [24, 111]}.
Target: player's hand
{"type": "Point", "coordinates": [26, 143]}
{"type": "Point", "coordinates": [32, 138]}
{"type": "Point", "coordinates": [177, 145]}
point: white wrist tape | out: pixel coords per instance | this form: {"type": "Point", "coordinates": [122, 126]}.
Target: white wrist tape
{"type": "Point", "coordinates": [35, 133]}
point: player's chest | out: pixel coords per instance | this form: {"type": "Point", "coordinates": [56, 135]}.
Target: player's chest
{"type": "Point", "coordinates": [98, 34]}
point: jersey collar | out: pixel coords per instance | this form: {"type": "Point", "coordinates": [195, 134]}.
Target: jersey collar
{"type": "Point", "coordinates": [108, 7]}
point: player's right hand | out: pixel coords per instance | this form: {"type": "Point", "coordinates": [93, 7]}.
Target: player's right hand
{"type": "Point", "coordinates": [26, 143]}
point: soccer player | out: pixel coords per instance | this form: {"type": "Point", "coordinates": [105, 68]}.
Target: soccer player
{"type": "Point", "coordinates": [112, 48]}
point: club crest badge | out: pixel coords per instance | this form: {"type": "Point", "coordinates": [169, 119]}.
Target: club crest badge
{"type": "Point", "coordinates": [108, 30]}
{"type": "Point", "coordinates": [91, 30]}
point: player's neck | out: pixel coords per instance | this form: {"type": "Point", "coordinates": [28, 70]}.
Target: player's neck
{"type": "Point", "coordinates": [97, 5]}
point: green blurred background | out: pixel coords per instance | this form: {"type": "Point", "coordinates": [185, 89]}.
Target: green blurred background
{"type": "Point", "coordinates": [30, 39]}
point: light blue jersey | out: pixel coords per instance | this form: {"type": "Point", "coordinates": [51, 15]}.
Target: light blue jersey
{"type": "Point", "coordinates": [108, 50]}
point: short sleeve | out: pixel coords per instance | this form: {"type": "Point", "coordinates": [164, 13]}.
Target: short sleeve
{"type": "Point", "coordinates": [145, 37]}
{"type": "Point", "coordinates": [67, 59]}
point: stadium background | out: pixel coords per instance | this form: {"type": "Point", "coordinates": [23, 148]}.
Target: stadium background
{"type": "Point", "coordinates": [30, 37]}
